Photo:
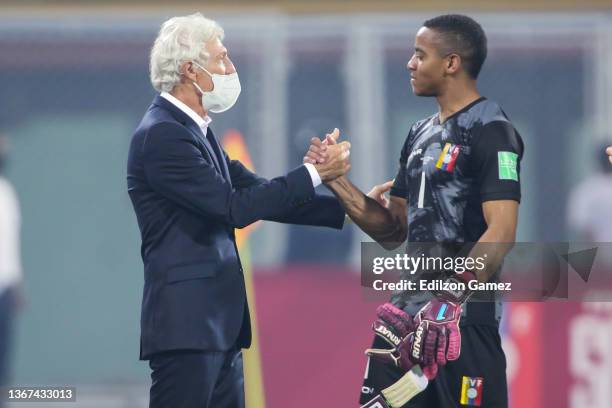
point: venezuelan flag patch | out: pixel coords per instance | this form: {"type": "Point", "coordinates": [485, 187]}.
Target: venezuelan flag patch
{"type": "Point", "coordinates": [471, 391]}
{"type": "Point", "coordinates": [448, 157]}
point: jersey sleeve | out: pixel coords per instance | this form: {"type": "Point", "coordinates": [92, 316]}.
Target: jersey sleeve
{"type": "Point", "coordinates": [400, 187]}
{"type": "Point", "coordinates": [497, 153]}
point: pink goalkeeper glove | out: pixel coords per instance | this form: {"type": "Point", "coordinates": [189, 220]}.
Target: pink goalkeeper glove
{"type": "Point", "coordinates": [397, 328]}
{"type": "Point", "coordinates": [437, 338]}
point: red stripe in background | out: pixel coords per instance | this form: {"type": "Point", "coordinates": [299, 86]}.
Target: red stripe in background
{"type": "Point", "coordinates": [453, 159]}
{"type": "Point", "coordinates": [313, 329]}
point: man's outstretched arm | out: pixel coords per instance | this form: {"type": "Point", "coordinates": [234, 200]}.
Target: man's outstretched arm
{"type": "Point", "coordinates": [387, 226]}
{"type": "Point", "coordinates": [383, 220]}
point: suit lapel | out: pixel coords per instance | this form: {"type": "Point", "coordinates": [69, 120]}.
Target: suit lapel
{"type": "Point", "coordinates": [195, 129]}
{"type": "Point", "coordinates": [186, 121]}
{"type": "Point", "coordinates": [217, 149]}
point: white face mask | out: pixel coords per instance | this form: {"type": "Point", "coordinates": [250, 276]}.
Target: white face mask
{"type": "Point", "coordinates": [226, 89]}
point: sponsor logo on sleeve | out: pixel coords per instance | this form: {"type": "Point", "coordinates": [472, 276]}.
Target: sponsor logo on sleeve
{"type": "Point", "coordinates": [507, 164]}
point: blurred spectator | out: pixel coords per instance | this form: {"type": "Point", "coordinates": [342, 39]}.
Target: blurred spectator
{"type": "Point", "coordinates": [10, 262]}
{"type": "Point", "coordinates": [609, 153]}
{"type": "Point", "coordinates": [590, 204]}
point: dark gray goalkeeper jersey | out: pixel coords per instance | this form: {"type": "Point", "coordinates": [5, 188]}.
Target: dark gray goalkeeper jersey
{"type": "Point", "coordinates": [448, 170]}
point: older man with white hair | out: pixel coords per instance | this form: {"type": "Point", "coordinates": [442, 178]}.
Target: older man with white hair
{"type": "Point", "coordinates": [189, 196]}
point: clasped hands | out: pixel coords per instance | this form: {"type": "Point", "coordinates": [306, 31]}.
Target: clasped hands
{"type": "Point", "coordinates": [330, 157]}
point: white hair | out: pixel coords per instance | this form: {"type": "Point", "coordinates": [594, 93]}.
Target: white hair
{"type": "Point", "coordinates": [180, 40]}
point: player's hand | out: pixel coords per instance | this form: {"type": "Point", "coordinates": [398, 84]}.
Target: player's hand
{"type": "Point", "coordinates": [330, 157]}
{"type": "Point", "coordinates": [378, 193]}
{"type": "Point", "coordinates": [437, 338]}
{"type": "Point", "coordinates": [337, 163]}
{"type": "Point", "coordinates": [609, 153]}
{"type": "Point", "coordinates": [317, 151]}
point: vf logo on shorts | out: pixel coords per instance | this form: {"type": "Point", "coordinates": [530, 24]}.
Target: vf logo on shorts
{"type": "Point", "coordinates": [471, 391]}
{"type": "Point", "coordinates": [448, 157]}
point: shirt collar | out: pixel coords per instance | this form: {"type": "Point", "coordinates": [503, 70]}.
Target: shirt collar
{"type": "Point", "coordinates": [201, 122]}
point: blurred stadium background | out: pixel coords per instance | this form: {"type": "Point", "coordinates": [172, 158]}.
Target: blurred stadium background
{"type": "Point", "coordinates": [75, 84]}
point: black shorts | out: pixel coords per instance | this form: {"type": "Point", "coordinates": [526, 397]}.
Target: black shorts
{"type": "Point", "coordinates": [479, 373]}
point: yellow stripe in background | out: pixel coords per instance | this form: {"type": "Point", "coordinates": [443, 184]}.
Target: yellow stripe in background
{"type": "Point", "coordinates": [441, 158]}
{"type": "Point", "coordinates": [253, 374]}
{"type": "Point", "coordinates": [236, 149]}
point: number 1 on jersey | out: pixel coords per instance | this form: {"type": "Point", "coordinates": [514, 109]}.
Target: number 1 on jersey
{"type": "Point", "coordinates": [422, 190]}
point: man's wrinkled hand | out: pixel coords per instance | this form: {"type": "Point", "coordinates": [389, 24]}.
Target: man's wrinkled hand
{"type": "Point", "coordinates": [337, 162]}
{"type": "Point", "coordinates": [378, 193]}
{"type": "Point", "coordinates": [317, 151]}
{"type": "Point", "coordinates": [330, 157]}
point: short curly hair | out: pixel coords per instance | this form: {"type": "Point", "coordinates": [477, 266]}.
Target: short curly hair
{"type": "Point", "coordinates": [463, 36]}
{"type": "Point", "coordinates": [180, 40]}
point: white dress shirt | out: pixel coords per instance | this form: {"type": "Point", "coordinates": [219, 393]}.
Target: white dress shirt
{"type": "Point", "coordinates": [204, 122]}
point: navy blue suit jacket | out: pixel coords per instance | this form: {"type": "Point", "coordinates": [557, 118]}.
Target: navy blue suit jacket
{"type": "Point", "coordinates": [188, 197]}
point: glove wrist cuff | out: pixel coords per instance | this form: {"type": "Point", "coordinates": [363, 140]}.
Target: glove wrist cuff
{"type": "Point", "coordinates": [455, 288]}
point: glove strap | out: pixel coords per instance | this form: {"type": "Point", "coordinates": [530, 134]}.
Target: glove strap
{"type": "Point", "coordinates": [387, 356]}
{"type": "Point", "coordinates": [383, 331]}
{"type": "Point", "coordinates": [412, 383]}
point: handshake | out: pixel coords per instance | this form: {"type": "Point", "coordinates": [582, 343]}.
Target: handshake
{"type": "Point", "coordinates": [330, 157]}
